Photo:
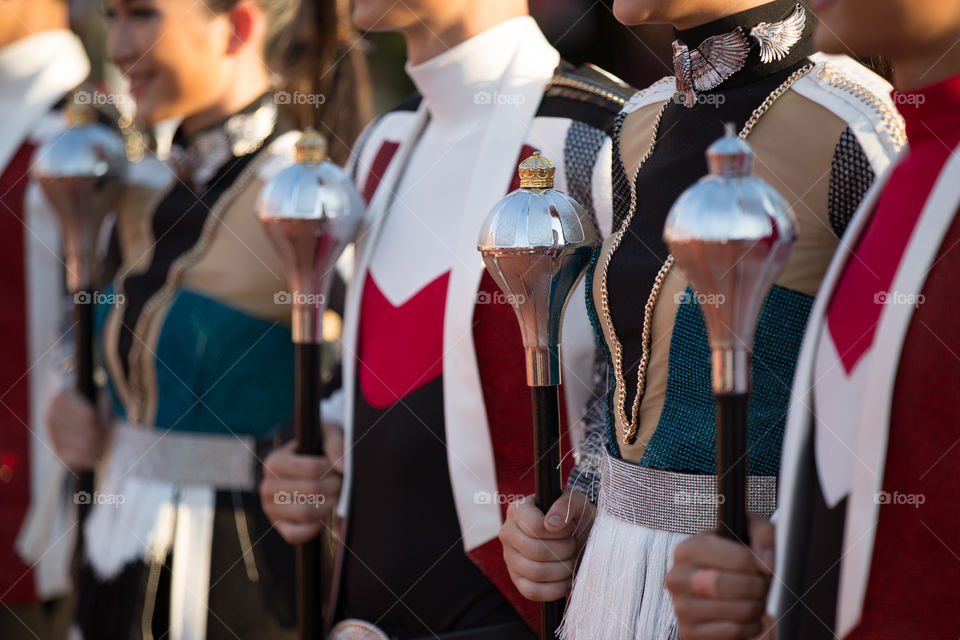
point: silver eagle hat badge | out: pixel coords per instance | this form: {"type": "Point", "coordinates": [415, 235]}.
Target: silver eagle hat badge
{"type": "Point", "coordinates": [705, 67]}
{"type": "Point", "coordinates": [777, 38]}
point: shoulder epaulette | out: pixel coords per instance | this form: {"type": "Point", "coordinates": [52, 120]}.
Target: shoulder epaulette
{"type": "Point", "coordinates": [587, 94]}
{"type": "Point", "coordinates": [862, 90]}
{"type": "Point", "coordinates": [662, 89]}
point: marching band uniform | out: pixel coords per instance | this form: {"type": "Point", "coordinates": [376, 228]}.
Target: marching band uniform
{"type": "Point", "coordinates": [196, 342]}
{"type": "Point", "coordinates": [868, 528]}
{"type": "Point", "coordinates": [435, 406]}
{"type": "Point", "coordinates": [36, 74]}
{"type": "Point", "coordinates": [820, 133]}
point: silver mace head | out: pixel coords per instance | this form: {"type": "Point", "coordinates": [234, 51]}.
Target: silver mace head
{"type": "Point", "coordinates": [310, 211]}
{"type": "Point", "coordinates": [731, 233]}
{"type": "Point", "coordinates": [81, 172]}
{"type": "Point", "coordinates": [536, 244]}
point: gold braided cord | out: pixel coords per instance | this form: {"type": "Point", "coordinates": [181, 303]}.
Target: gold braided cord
{"type": "Point", "coordinates": [632, 425]}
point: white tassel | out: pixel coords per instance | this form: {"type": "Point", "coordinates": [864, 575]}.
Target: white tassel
{"type": "Point", "coordinates": [139, 525]}
{"type": "Point", "coordinates": [619, 592]}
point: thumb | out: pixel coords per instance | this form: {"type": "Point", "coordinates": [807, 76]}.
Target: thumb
{"type": "Point", "coordinates": [565, 513]}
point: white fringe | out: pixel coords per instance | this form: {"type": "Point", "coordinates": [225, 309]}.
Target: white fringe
{"type": "Point", "coordinates": [138, 525]}
{"type": "Point", "coordinates": [619, 592]}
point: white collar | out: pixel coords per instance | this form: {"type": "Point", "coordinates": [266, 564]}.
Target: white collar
{"type": "Point", "coordinates": [459, 85]}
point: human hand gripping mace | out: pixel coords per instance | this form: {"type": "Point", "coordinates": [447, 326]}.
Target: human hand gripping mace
{"type": "Point", "coordinates": [310, 211]}
{"type": "Point", "coordinates": [536, 244]}
{"type": "Point", "coordinates": [731, 233]}
{"type": "Point", "coordinates": [81, 172]}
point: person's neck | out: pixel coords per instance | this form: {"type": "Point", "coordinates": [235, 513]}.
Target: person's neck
{"type": "Point", "coordinates": [925, 66]}
{"type": "Point", "coordinates": [236, 99]}
{"type": "Point", "coordinates": [426, 39]}
{"type": "Point", "coordinates": [714, 11]}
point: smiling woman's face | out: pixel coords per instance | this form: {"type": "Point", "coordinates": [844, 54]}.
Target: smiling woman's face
{"type": "Point", "coordinates": [174, 53]}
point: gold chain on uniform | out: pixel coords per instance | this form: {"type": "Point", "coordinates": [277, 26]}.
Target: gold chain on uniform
{"type": "Point", "coordinates": [632, 425]}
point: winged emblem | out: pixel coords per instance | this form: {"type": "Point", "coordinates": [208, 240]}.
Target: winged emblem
{"type": "Point", "coordinates": [704, 68]}
{"type": "Point", "coordinates": [777, 38]}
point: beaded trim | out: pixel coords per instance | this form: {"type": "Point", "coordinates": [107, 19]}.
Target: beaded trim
{"type": "Point", "coordinates": [892, 121]}
{"type": "Point", "coordinates": [632, 424]}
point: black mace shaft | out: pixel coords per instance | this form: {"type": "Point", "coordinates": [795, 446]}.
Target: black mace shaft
{"type": "Point", "coordinates": [548, 482]}
{"type": "Point", "coordinates": [83, 338]}
{"type": "Point", "coordinates": [309, 555]}
{"type": "Point", "coordinates": [732, 465]}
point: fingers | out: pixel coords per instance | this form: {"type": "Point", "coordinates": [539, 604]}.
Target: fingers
{"type": "Point", "coordinates": [286, 463]}
{"type": "Point", "coordinates": [685, 580]}
{"type": "Point", "coordinates": [77, 435]}
{"type": "Point", "coordinates": [542, 572]}
{"type": "Point", "coordinates": [538, 592]}
{"type": "Point", "coordinates": [298, 493]}
{"type": "Point", "coordinates": [295, 533]}
{"type": "Point", "coordinates": [698, 611]}
{"type": "Point", "coordinates": [712, 551]}
{"type": "Point", "coordinates": [719, 587]}
{"type": "Point", "coordinates": [540, 562]}
{"type": "Point", "coordinates": [724, 630]}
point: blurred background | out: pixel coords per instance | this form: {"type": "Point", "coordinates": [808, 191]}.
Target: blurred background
{"type": "Point", "coordinates": [582, 30]}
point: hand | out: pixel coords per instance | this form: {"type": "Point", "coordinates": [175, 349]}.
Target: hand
{"type": "Point", "coordinates": [78, 434]}
{"type": "Point", "coordinates": [541, 551]}
{"type": "Point", "coordinates": [719, 586]}
{"type": "Point", "coordinates": [299, 493]}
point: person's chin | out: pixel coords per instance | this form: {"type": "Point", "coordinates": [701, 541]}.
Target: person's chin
{"type": "Point", "coordinates": [629, 12]}
{"type": "Point", "coordinates": [831, 40]}
{"type": "Point", "coordinates": [370, 17]}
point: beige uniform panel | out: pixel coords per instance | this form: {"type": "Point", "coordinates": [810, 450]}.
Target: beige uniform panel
{"type": "Point", "coordinates": [636, 135]}
{"type": "Point", "coordinates": [240, 267]}
{"type": "Point", "coordinates": [794, 145]}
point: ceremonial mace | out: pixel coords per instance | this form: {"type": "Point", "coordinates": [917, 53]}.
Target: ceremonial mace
{"type": "Point", "coordinates": [731, 233]}
{"type": "Point", "coordinates": [536, 244]}
{"type": "Point", "coordinates": [310, 211]}
{"type": "Point", "coordinates": [81, 172]}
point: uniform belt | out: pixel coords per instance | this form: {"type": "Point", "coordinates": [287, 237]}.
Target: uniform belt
{"type": "Point", "coordinates": [360, 630]}
{"type": "Point", "coordinates": [185, 457]}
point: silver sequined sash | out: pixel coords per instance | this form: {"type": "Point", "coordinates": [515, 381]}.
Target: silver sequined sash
{"type": "Point", "coordinates": [676, 502]}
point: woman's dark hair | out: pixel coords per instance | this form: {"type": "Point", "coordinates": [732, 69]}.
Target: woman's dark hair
{"type": "Point", "coordinates": [879, 65]}
{"type": "Point", "coordinates": [312, 46]}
